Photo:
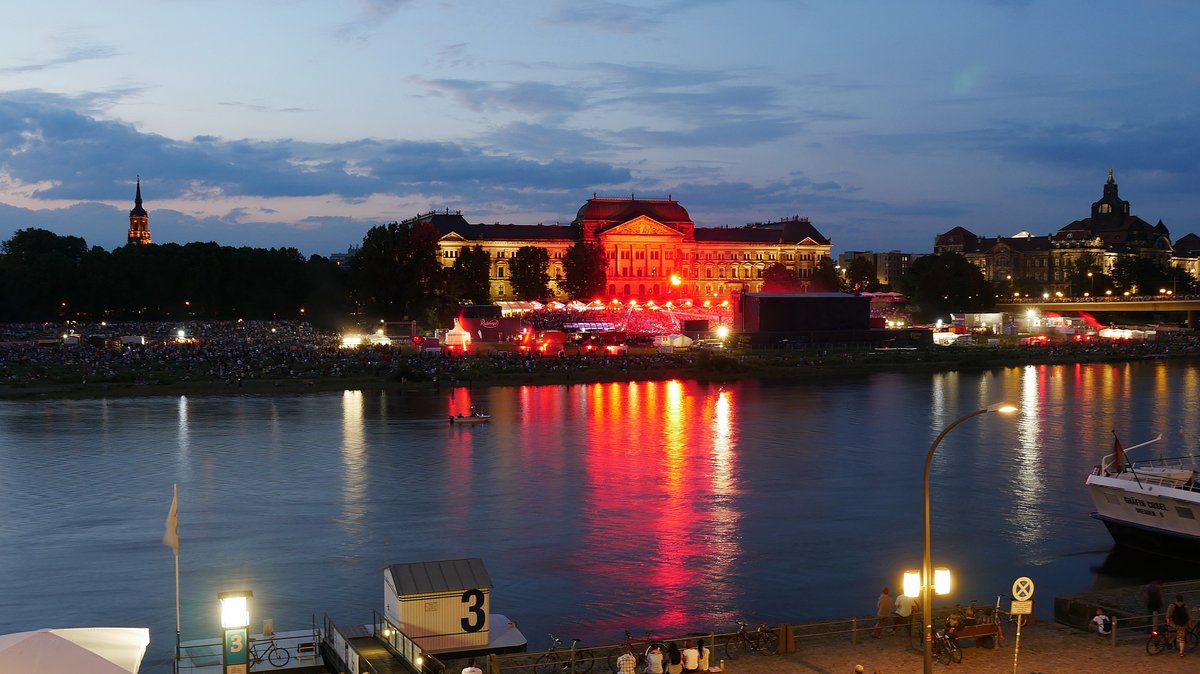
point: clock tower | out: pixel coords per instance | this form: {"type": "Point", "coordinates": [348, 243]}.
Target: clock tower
{"type": "Point", "coordinates": [139, 220]}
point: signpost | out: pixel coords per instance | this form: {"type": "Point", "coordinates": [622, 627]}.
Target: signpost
{"type": "Point", "coordinates": [1022, 605]}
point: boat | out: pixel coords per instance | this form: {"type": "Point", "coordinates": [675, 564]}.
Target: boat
{"type": "Point", "coordinates": [476, 418]}
{"type": "Point", "coordinates": [1151, 505]}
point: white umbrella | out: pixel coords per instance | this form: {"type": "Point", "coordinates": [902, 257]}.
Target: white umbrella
{"type": "Point", "coordinates": [96, 650]}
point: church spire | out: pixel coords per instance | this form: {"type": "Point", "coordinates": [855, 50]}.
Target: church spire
{"type": "Point", "coordinates": [139, 219]}
{"type": "Point", "coordinates": [1110, 176]}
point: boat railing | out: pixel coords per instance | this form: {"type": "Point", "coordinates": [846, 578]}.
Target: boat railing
{"type": "Point", "coordinates": [1150, 471]}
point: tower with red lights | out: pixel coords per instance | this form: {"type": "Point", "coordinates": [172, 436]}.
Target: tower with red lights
{"type": "Point", "coordinates": [139, 220]}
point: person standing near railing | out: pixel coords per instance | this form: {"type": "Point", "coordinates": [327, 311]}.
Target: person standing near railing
{"type": "Point", "coordinates": [883, 609]}
{"type": "Point", "coordinates": [1178, 617]}
{"type": "Point", "coordinates": [1154, 603]}
{"type": "Point", "coordinates": [471, 668]}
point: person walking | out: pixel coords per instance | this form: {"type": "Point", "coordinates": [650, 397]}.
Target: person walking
{"type": "Point", "coordinates": [1178, 617]}
{"type": "Point", "coordinates": [883, 609]}
{"type": "Point", "coordinates": [1154, 603]}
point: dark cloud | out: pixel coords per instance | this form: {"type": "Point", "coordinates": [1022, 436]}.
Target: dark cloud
{"type": "Point", "coordinates": [42, 136]}
{"type": "Point", "coordinates": [530, 98]}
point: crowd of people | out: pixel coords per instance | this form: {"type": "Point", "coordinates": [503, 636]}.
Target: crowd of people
{"type": "Point", "coordinates": [233, 352]}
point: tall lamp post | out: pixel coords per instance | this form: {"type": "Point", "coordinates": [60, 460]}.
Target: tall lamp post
{"type": "Point", "coordinates": [927, 566]}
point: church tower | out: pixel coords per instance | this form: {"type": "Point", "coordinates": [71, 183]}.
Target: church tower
{"type": "Point", "coordinates": [139, 220]}
{"type": "Point", "coordinates": [1111, 210]}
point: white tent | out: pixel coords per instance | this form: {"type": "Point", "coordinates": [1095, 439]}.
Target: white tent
{"type": "Point", "coordinates": [95, 650]}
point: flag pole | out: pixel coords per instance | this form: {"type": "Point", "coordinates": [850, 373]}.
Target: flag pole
{"type": "Point", "coordinates": [171, 540]}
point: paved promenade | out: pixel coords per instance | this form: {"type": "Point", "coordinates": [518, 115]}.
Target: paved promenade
{"type": "Point", "coordinates": [1046, 647]}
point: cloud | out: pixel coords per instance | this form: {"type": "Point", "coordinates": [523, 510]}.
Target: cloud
{"type": "Point", "coordinates": [371, 16]}
{"type": "Point", "coordinates": [76, 54]}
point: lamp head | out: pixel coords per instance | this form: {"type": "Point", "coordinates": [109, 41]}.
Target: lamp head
{"type": "Point", "coordinates": [235, 610]}
{"type": "Point", "coordinates": [1003, 408]}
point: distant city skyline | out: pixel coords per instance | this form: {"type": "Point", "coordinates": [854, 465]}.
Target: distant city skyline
{"type": "Point", "coordinates": [305, 123]}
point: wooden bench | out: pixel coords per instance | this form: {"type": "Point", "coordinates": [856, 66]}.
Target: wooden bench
{"type": "Point", "coordinates": [984, 634]}
{"type": "Point", "coordinates": [306, 649]}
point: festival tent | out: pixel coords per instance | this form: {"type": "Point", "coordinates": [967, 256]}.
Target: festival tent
{"type": "Point", "coordinates": [96, 650]}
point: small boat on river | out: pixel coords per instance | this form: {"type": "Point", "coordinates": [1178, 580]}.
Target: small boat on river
{"type": "Point", "coordinates": [1151, 505]}
{"type": "Point", "coordinates": [476, 418]}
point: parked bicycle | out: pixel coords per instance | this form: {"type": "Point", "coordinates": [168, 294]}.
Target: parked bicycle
{"type": "Point", "coordinates": [945, 649]}
{"type": "Point", "coordinates": [1163, 638]}
{"type": "Point", "coordinates": [763, 640]}
{"type": "Point", "coordinates": [639, 648]}
{"type": "Point", "coordinates": [270, 651]}
{"type": "Point", "coordinates": [555, 661]}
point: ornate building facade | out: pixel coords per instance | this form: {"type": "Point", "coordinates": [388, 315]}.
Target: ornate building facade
{"type": "Point", "coordinates": [1111, 233]}
{"type": "Point", "coordinates": [139, 219]}
{"type": "Point", "coordinates": [654, 249]}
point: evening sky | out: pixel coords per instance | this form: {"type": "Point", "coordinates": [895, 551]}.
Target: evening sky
{"type": "Point", "coordinates": [304, 122]}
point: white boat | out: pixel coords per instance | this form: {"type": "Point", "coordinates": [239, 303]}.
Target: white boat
{"type": "Point", "coordinates": [477, 418]}
{"type": "Point", "coordinates": [1152, 505]}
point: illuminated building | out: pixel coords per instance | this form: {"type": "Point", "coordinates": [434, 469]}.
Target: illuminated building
{"type": "Point", "coordinates": [139, 220]}
{"type": "Point", "coordinates": [647, 243]}
{"type": "Point", "coordinates": [1111, 233]}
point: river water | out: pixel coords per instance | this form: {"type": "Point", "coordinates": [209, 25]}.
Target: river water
{"type": "Point", "coordinates": [671, 506]}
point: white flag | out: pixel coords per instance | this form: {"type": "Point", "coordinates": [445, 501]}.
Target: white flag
{"type": "Point", "coordinates": [171, 534]}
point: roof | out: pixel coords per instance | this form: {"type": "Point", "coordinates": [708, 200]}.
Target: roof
{"type": "Point", "coordinates": [788, 231]}
{"type": "Point", "coordinates": [511, 232]}
{"type": "Point", "coordinates": [624, 210]}
{"type": "Point", "coordinates": [445, 576]}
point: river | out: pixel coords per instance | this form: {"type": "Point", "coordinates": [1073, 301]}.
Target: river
{"type": "Point", "coordinates": [670, 506]}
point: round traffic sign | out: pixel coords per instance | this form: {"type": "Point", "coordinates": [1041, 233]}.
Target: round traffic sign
{"type": "Point", "coordinates": [1022, 588]}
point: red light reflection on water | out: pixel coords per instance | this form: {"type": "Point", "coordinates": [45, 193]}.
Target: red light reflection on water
{"type": "Point", "coordinates": [658, 499]}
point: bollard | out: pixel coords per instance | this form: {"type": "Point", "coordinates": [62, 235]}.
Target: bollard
{"type": "Point", "coordinates": [1113, 634]}
{"type": "Point", "coordinates": [854, 631]}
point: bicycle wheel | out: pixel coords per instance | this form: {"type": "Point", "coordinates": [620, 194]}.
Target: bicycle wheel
{"type": "Point", "coordinates": [733, 648]}
{"type": "Point", "coordinates": [612, 658]}
{"type": "Point", "coordinates": [1189, 642]}
{"type": "Point", "coordinates": [768, 642]}
{"type": "Point", "coordinates": [941, 652]}
{"type": "Point", "coordinates": [955, 652]}
{"type": "Point", "coordinates": [279, 656]}
{"type": "Point", "coordinates": [547, 663]}
{"type": "Point", "coordinates": [584, 660]}
{"type": "Point", "coordinates": [1154, 645]}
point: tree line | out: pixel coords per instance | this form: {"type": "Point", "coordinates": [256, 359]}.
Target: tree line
{"type": "Point", "coordinates": [397, 274]}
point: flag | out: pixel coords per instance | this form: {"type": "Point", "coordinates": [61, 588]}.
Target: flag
{"type": "Point", "coordinates": [171, 533]}
{"type": "Point", "coordinates": [1118, 455]}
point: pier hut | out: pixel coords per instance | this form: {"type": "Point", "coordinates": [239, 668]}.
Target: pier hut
{"type": "Point", "coordinates": [443, 607]}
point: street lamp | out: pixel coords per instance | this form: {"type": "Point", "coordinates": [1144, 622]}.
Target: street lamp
{"type": "Point", "coordinates": [235, 624]}
{"type": "Point", "coordinates": [927, 566]}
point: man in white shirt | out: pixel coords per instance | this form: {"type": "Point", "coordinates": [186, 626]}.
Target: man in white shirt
{"type": "Point", "coordinates": [471, 668]}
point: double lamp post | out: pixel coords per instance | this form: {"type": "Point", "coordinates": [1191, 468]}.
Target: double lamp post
{"type": "Point", "coordinates": [929, 579]}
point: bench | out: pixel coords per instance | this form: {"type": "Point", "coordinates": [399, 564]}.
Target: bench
{"type": "Point", "coordinates": [306, 649]}
{"type": "Point", "coordinates": [984, 634]}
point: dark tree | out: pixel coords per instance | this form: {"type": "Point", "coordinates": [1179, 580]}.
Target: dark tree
{"type": "Point", "coordinates": [329, 297]}
{"type": "Point", "coordinates": [530, 273]}
{"type": "Point", "coordinates": [469, 280]}
{"type": "Point", "coordinates": [779, 279]}
{"type": "Point", "coordinates": [1141, 276]}
{"type": "Point", "coordinates": [825, 278]}
{"type": "Point", "coordinates": [861, 275]}
{"type": "Point", "coordinates": [39, 275]}
{"type": "Point", "coordinates": [396, 272]}
{"type": "Point", "coordinates": [584, 275]}
{"type": "Point", "coordinates": [942, 284]}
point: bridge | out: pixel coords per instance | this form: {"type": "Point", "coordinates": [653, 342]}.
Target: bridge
{"type": "Point", "coordinates": [1189, 305]}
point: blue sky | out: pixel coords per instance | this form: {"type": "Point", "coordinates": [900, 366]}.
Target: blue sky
{"type": "Point", "coordinates": [304, 122]}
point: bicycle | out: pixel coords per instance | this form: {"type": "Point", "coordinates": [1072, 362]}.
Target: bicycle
{"type": "Point", "coordinates": [277, 655]}
{"type": "Point", "coordinates": [579, 661]}
{"type": "Point", "coordinates": [762, 640]}
{"type": "Point", "coordinates": [945, 649]}
{"type": "Point", "coordinates": [635, 647]}
{"type": "Point", "coordinates": [1164, 639]}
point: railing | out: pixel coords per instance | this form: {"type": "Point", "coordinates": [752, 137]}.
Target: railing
{"type": "Point", "coordinates": [207, 654]}
{"type": "Point", "coordinates": [404, 646]}
{"type": "Point", "coordinates": [338, 647]}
